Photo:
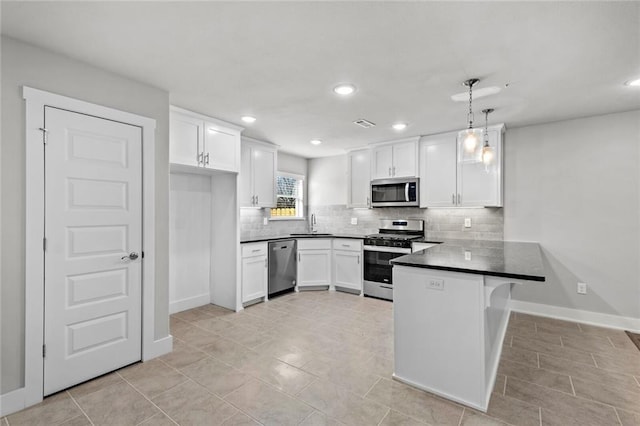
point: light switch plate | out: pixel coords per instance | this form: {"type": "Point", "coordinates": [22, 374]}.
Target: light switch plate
{"type": "Point", "coordinates": [265, 221]}
{"type": "Point", "coordinates": [467, 255]}
{"type": "Point", "coordinates": [354, 220]}
{"type": "Point", "coordinates": [467, 222]}
{"type": "Point", "coordinates": [582, 288]}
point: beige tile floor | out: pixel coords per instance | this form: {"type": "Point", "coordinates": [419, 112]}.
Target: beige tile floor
{"type": "Point", "coordinates": [325, 358]}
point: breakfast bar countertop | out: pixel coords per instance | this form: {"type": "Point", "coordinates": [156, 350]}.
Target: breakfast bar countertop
{"type": "Point", "coordinates": [509, 259]}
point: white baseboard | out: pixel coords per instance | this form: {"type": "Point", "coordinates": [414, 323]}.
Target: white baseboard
{"type": "Point", "coordinates": [189, 303]}
{"type": "Point", "coordinates": [158, 348]}
{"type": "Point", "coordinates": [577, 315]}
{"type": "Point", "coordinates": [12, 402]}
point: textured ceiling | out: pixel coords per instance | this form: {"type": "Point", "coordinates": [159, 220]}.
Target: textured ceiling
{"type": "Point", "coordinates": [279, 61]}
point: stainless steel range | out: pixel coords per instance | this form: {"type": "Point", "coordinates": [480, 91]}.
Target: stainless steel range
{"type": "Point", "coordinates": [393, 240]}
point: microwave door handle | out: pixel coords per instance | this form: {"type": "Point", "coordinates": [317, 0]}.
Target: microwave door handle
{"type": "Point", "coordinates": [406, 192]}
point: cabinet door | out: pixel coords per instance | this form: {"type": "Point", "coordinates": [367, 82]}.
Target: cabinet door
{"type": "Point", "coordinates": [382, 162]}
{"type": "Point", "coordinates": [405, 157]}
{"type": "Point", "coordinates": [221, 148]}
{"type": "Point", "coordinates": [347, 269]}
{"type": "Point", "coordinates": [245, 192]}
{"type": "Point", "coordinates": [185, 145]}
{"type": "Point", "coordinates": [359, 164]}
{"type": "Point", "coordinates": [314, 267]}
{"type": "Point", "coordinates": [254, 278]}
{"type": "Point", "coordinates": [264, 176]}
{"type": "Point", "coordinates": [480, 185]}
{"type": "Point", "coordinates": [438, 170]}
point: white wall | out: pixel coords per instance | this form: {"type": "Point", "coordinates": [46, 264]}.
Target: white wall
{"type": "Point", "coordinates": [574, 186]}
{"type": "Point", "coordinates": [23, 64]}
{"type": "Point", "coordinates": [292, 163]}
{"type": "Point", "coordinates": [328, 180]}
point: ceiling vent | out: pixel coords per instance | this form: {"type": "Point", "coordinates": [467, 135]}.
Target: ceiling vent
{"type": "Point", "coordinates": [364, 123]}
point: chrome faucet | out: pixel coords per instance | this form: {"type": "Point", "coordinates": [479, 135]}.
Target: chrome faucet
{"type": "Point", "coordinates": [313, 223]}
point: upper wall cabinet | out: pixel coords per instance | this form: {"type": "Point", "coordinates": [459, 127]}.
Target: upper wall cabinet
{"type": "Point", "coordinates": [203, 144]}
{"type": "Point", "coordinates": [359, 175]}
{"type": "Point", "coordinates": [258, 174]}
{"type": "Point", "coordinates": [446, 181]}
{"type": "Point", "coordinates": [395, 159]}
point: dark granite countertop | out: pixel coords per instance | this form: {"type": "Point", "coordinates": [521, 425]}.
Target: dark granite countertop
{"type": "Point", "coordinates": [509, 259]}
{"type": "Point", "coordinates": [297, 237]}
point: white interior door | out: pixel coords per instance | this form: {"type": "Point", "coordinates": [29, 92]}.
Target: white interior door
{"type": "Point", "coordinates": [93, 221]}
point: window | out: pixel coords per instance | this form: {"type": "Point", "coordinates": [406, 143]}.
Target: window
{"type": "Point", "coordinates": [289, 196]}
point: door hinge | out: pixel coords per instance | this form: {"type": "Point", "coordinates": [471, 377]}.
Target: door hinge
{"type": "Point", "coordinates": [45, 134]}
{"type": "Point", "coordinates": [44, 351]}
{"type": "Point", "coordinates": [44, 244]}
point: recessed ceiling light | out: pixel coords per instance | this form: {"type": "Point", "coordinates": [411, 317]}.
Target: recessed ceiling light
{"type": "Point", "coordinates": [248, 119]}
{"type": "Point", "coordinates": [477, 93]}
{"type": "Point", "coordinates": [634, 83]}
{"type": "Point", "coordinates": [315, 142]}
{"type": "Point", "coordinates": [344, 89]}
{"type": "Point", "coordinates": [399, 126]}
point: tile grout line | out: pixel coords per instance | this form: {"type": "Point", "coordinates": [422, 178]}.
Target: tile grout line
{"type": "Point", "coordinates": [461, 416]}
{"type": "Point", "coordinates": [573, 389]}
{"type": "Point", "coordinates": [148, 399]}
{"type": "Point", "coordinates": [384, 417]}
{"type": "Point", "coordinates": [78, 405]}
{"type": "Point", "coordinates": [618, 415]}
{"type": "Point", "coordinates": [371, 388]}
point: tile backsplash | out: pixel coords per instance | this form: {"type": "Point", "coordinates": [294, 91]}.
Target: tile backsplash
{"type": "Point", "coordinates": [486, 223]}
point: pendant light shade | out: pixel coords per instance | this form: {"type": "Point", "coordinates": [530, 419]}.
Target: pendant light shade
{"type": "Point", "coordinates": [471, 137]}
{"type": "Point", "coordinates": [487, 150]}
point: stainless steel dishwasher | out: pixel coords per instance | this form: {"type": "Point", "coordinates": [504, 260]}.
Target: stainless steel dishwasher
{"type": "Point", "coordinates": [283, 267]}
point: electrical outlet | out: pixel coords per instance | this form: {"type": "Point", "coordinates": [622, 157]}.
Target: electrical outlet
{"type": "Point", "coordinates": [582, 288]}
{"type": "Point", "coordinates": [434, 284]}
{"type": "Point", "coordinates": [265, 221]}
{"type": "Point", "coordinates": [467, 255]}
{"type": "Point", "coordinates": [354, 220]}
{"type": "Point", "coordinates": [467, 222]}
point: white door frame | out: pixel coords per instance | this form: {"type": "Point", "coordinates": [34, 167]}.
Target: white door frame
{"type": "Point", "coordinates": [36, 100]}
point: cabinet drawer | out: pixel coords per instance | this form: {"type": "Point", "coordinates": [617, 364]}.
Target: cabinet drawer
{"type": "Point", "coordinates": [347, 244]}
{"type": "Point", "coordinates": [254, 249]}
{"type": "Point", "coordinates": [314, 244]}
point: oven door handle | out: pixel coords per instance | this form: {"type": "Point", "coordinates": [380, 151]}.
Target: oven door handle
{"type": "Point", "coordinates": [385, 249]}
{"type": "Point", "coordinates": [406, 192]}
{"type": "Point", "coordinates": [386, 286]}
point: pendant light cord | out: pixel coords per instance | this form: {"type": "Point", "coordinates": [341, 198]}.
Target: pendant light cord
{"type": "Point", "coordinates": [470, 116]}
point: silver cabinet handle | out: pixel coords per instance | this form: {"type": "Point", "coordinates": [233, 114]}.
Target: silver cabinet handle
{"type": "Point", "coordinates": [299, 259]}
{"type": "Point", "coordinates": [206, 159]}
{"type": "Point", "coordinates": [255, 250]}
{"type": "Point", "coordinates": [368, 202]}
{"type": "Point", "coordinates": [394, 170]}
{"type": "Point", "coordinates": [265, 263]}
{"type": "Point", "coordinates": [131, 256]}
{"type": "Point", "coordinates": [358, 259]}
{"type": "Point", "coordinates": [458, 198]}
{"type": "Point", "coordinates": [453, 199]}
{"type": "Point", "coordinates": [253, 200]}
{"type": "Point", "coordinates": [257, 199]}
{"type": "Point", "coordinates": [346, 245]}
{"type": "Point", "coordinates": [200, 158]}
{"type": "Point", "coordinates": [390, 172]}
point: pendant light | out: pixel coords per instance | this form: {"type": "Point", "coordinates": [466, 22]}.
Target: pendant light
{"type": "Point", "coordinates": [471, 138]}
{"type": "Point", "coordinates": [487, 151]}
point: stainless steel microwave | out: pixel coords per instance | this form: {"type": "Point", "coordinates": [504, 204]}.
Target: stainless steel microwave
{"type": "Point", "coordinates": [399, 192]}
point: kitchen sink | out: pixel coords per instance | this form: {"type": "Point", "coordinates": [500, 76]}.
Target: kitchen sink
{"type": "Point", "coordinates": [310, 234]}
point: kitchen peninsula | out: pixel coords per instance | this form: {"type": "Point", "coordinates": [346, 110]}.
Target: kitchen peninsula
{"type": "Point", "coordinates": [451, 310]}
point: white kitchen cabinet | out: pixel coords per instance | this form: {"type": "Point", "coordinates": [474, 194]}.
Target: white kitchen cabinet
{"type": "Point", "coordinates": [447, 182]}
{"type": "Point", "coordinates": [255, 271]}
{"type": "Point", "coordinates": [395, 159]}
{"type": "Point", "coordinates": [347, 264]}
{"type": "Point", "coordinates": [200, 144]}
{"type": "Point", "coordinates": [258, 174]}
{"type": "Point", "coordinates": [359, 178]}
{"type": "Point", "coordinates": [314, 262]}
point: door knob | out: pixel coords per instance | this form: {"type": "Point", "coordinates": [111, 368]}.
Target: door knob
{"type": "Point", "coordinates": [131, 256]}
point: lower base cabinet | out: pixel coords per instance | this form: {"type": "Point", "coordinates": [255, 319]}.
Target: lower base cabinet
{"type": "Point", "coordinates": [255, 271]}
{"type": "Point", "coordinates": [314, 262]}
{"type": "Point", "coordinates": [347, 264]}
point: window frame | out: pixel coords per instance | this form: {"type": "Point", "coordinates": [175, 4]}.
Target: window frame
{"type": "Point", "coordinates": [301, 179]}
